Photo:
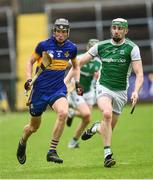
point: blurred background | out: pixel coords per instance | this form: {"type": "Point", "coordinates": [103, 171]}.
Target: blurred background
{"type": "Point", "coordinates": [23, 23]}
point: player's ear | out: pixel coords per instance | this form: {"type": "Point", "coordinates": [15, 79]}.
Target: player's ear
{"type": "Point", "coordinates": [126, 30]}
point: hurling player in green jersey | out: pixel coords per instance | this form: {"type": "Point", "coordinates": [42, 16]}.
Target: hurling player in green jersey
{"type": "Point", "coordinates": [118, 55]}
{"type": "Point", "coordinates": [81, 106]}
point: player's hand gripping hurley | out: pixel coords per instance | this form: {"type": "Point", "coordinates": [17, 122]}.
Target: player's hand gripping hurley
{"type": "Point", "coordinates": [134, 99]}
{"type": "Point", "coordinates": [46, 61]}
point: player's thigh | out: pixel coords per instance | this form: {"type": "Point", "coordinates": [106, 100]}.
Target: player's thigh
{"type": "Point", "coordinates": [105, 103]}
{"type": "Point", "coordinates": [84, 109]}
{"type": "Point", "coordinates": [61, 105]}
{"type": "Point", "coordinates": [104, 98]}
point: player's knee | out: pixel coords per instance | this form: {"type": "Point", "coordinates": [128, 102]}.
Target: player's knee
{"type": "Point", "coordinates": [107, 115]}
{"type": "Point", "coordinates": [34, 129]}
{"type": "Point", "coordinates": [30, 129]}
{"type": "Point", "coordinates": [87, 120]}
{"type": "Point", "coordinates": [62, 114]}
{"type": "Point", "coordinates": [86, 117]}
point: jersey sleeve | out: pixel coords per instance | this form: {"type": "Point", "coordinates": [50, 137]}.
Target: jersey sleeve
{"type": "Point", "coordinates": [39, 49]}
{"type": "Point", "coordinates": [74, 53]}
{"type": "Point", "coordinates": [135, 53]}
{"type": "Point", "coordinates": [93, 51]}
{"type": "Point", "coordinates": [74, 56]}
{"type": "Point", "coordinates": [74, 61]}
{"type": "Point", "coordinates": [38, 53]}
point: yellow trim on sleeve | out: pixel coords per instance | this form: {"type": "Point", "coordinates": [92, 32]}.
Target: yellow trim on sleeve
{"type": "Point", "coordinates": [74, 61]}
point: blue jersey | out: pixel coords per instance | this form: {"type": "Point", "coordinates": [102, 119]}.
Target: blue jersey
{"type": "Point", "coordinates": [50, 85]}
{"type": "Point", "coordinates": [52, 78]}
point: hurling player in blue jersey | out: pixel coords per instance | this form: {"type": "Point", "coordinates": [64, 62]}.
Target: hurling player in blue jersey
{"type": "Point", "coordinates": [49, 88]}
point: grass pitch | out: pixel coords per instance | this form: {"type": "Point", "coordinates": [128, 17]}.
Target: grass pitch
{"type": "Point", "coordinates": [132, 145]}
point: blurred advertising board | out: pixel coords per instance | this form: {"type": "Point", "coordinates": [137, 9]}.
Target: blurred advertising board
{"type": "Point", "coordinates": [146, 93]}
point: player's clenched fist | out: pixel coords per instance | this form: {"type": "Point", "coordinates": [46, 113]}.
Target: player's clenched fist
{"type": "Point", "coordinates": [79, 88]}
{"type": "Point", "coordinates": [27, 84]}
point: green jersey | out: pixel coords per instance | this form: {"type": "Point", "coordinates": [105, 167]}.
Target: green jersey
{"type": "Point", "coordinates": [87, 73]}
{"type": "Point", "coordinates": [116, 62]}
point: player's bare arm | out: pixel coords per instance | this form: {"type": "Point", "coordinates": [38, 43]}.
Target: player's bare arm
{"type": "Point", "coordinates": [29, 67]}
{"type": "Point", "coordinates": [76, 69]}
{"type": "Point", "coordinates": [137, 67]}
{"type": "Point", "coordinates": [73, 72]}
{"type": "Point", "coordinates": [85, 58]}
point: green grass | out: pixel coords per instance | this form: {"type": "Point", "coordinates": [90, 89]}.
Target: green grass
{"type": "Point", "coordinates": [132, 145]}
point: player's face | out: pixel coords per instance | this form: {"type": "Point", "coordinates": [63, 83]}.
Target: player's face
{"type": "Point", "coordinates": [61, 35]}
{"type": "Point", "coordinates": [118, 33]}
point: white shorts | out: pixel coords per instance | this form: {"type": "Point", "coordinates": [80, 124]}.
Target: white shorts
{"type": "Point", "coordinates": [119, 98]}
{"type": "Point", "coordinates": [74, 99]}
